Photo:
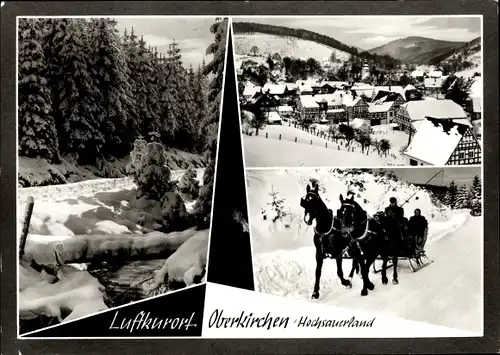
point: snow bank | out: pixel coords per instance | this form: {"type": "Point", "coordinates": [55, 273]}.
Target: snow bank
{"type": "Point", "coordinates": [187, 264]}
{"type": "Point", "coordinates": [86, 248]}
{"type": "Point", "coordinates": [73, 295]}
{"type": "Point", "coordinates": [371, 192]}
{"type": "Point", "coordinates": [39, 172]}
{"type": "Point", "coordinates": [101, 206]}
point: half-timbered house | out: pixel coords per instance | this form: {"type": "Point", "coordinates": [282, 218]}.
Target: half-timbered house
{"type": "Point", "coordinates": [441, 142]}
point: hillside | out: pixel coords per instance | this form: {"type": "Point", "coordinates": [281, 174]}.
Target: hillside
{"type": "Point", "coordinates": [306, 35]}
{"type": "Point", "coordinates": [417, 50]}
{"type": "Point", "coordinates": [286, 47]}
{"type": "Point", "coordinates": [465, 60]}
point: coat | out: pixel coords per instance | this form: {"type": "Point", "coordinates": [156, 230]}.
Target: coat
{"type": "Point", "coordinates": [417, 225]}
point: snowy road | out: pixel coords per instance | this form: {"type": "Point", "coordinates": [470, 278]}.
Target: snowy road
{"type": "Point", "coordinates": [449, 292]}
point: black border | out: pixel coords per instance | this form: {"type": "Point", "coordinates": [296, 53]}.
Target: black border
{"type": "Point", "coordinates": [489, 343]}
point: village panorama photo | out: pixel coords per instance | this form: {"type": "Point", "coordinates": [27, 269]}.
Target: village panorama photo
{"type": "Point", "coordinates": [118, 121]}
{"type": "Point", "coordinates": [360, 91]}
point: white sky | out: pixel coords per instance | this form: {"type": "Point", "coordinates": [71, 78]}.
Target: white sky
{"type": "Point", "coordinates": [461, 175]}
{"type": "Point", "coordinates": [367, 32]}
{"type": "Point", "coordinates": [192, 35]}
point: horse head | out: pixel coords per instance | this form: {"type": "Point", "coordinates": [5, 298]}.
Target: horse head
{"type": "Point", "coordinates": [351, 215]}
{"type": "Point", "coordinates": [311, 203]}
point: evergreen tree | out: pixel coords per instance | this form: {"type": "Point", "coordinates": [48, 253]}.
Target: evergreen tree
{"type": "Point", "coordinates": [462, 197]}
{"type": "Point", "coordinates": [450, 198]}
{"type": "Point", "coordinates": [210, 126]}
{"type": "Point", "coordinates": [79, 108]}
{"type": "Point", "coordinates": [475, 194]}
{"type": "Point", "coordinates": [53, 42]}
{"type": "Point", "coordinates": [116, 97]}
{"type": "Point", "coordinates": [144, 80]}
{"type": "Point", "coordinates": [37, 130]}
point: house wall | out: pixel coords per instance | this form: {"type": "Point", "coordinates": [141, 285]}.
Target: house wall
{"type": "Point", "coordinates": [403, 119]}
{"type": "Point", "coordinates": [416, 162]}
{"type": "Point", "coordinates": [467, 151]}
{"type": "Point", "coordinates": [360, 110]}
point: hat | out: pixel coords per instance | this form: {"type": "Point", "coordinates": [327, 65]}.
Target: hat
{"type": "Point", "coordinates": [417, 209]}
{"type": "Point", "coordinates": [393, 200]}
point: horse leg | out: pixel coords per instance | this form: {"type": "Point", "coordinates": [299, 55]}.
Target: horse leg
{"type": "Point", "coordinates": [319, 266]}
{"type": "Point", "coordinates": [340, 273]}
{"type": "Point", "coordinates": [395, 271]}
{"type": "Point", "coordinates": [384, 270]}
{"type": "Point", "coordinates": [367, 284]}
{"type": "Point", "coordinates": [355, 268]}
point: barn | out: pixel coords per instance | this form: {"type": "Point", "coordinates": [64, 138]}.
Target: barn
{"type": "Point", "coordinates": [441, 142]}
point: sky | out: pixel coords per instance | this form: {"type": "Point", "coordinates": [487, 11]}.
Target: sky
{"type": "Point", "coordinates": [368, 32]}
{"type": "Point", "coordinates": [460, 175]}
{"type": "Point", "coordinates": [192, 35]}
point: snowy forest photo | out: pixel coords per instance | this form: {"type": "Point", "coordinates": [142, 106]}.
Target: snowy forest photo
{"type": "Point", "coordinates": [450, 199]}
{"type": "Point", "coordinates": [117, 140]}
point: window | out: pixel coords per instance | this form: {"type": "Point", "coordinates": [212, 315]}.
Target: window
{"type": "Point", "coordinates": [471, 154]}
{"type": "Point", "coordinates": [391, 114]}
{"type": "Point", "coordinates": [413, 162]}
{"type": "Point", "coordinates": [461, 155]}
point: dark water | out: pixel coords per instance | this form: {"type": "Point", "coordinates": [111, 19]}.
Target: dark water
{"type": "Point", "coordinates": [123, 284]}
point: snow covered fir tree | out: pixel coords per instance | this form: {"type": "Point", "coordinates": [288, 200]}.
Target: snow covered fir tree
{"type": "Point", "coordinates": [117, 144]}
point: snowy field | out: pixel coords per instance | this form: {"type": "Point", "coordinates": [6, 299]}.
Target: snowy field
{"type": "Point", "coordinates": [101, 219]}
{"type": "Point", "coordinates": [448, 292]}
{"type": "Point", "coordinates": [286, 47]}
{"type": "Point", "coordinates": [262, 152]}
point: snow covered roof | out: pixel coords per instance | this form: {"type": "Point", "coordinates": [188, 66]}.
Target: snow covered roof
{"type": "Point", "coordinates": [350, 101]}
{"type": "Point", "coordinates": [305, 88]}
{"type": "Point", "coordinates": [285, 109]}
{"type": "Point", "coordinates": [309, 82]}
{"type": "Point", "coordinates": [409, 87]}
{"type": "Point", "coordinates": [420, 109]}
{"type": "Point", "coordinates": [432, 82]}
{"type": "Point", "coordinates": [274, 89]}
{"type": "Point", "coordinates": [358, 123]}
{"type": "Point", "coordinates": [476, 89]}
{"type": "Point", "coordinates": [361, 85]}
{"type": "Point", "coordinates": [417, 73]}
{"type": "Point", "coordinates": [331, 99]}
{"type": "Point", "coordinates": [393, 88]}
{"type": "Point", "coordinates": [334, 110]}
{"type": "Point", "coordinates": [337, 84]}
{"type": "Point", "coordinates": [380, 107]}
{"type": "Point", "coordinates": [436, 74]}
{"type": "Point", "coordinates": [431, 144]}
{"type": "Point", "coordinates": [274, 116]}
{"type": "Point", "coordinates": [366, 91]}
{"type": "Point", "coordinates": [250, 89]}
{"type": "Point", "coordinates": [308, 101]}
{"type": "Point", "coordinates": [291, 86]}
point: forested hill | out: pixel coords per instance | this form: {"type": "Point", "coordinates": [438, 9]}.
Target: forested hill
{"type": "Point", "coordinates": [250, 27]}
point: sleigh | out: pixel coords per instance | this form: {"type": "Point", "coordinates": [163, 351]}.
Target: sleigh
{"type": "Point", "coordinates": [413, 252]}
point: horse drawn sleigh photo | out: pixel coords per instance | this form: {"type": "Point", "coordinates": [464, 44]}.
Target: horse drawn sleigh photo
{"type": "Point", "coordinates": [328, 235]}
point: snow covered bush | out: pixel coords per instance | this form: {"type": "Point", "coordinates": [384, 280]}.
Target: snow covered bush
{"type": "Point", "coordinates": [174, 211]}
{"type": "Point", "coordinates": [149, 169]}
{"type": "Point", "coordinates": [189, 184]}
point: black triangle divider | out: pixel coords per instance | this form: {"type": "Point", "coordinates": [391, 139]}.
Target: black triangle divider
{"type": "Point", "coordinates": [179, 314]}
{"type": "Point", "coordinates": [230, 258]}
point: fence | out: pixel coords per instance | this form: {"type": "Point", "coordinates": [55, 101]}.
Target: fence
{"type": "Point", "coordinates": [323, 139]}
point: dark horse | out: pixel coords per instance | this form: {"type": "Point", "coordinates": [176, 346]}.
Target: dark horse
{"type": "Point", "coordinates": [353, 231]}
{"type": "Point", "coordinates": [327, 239]}
{"type": "Point", "coordinates": [372, 236]}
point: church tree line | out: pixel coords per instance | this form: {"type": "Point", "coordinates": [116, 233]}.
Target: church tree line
{"type": "Point", "coordinates": [87, 91]}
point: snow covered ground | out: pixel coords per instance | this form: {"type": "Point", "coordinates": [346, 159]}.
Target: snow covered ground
{"type": "Point", "coordinates": [262, 152]}
{"type": "Point", "coordinates": [286, 46]}
{"type": "Point", "coordinates": [95, 218]}
{"type": "Point", "coordinates": [448, 292]}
